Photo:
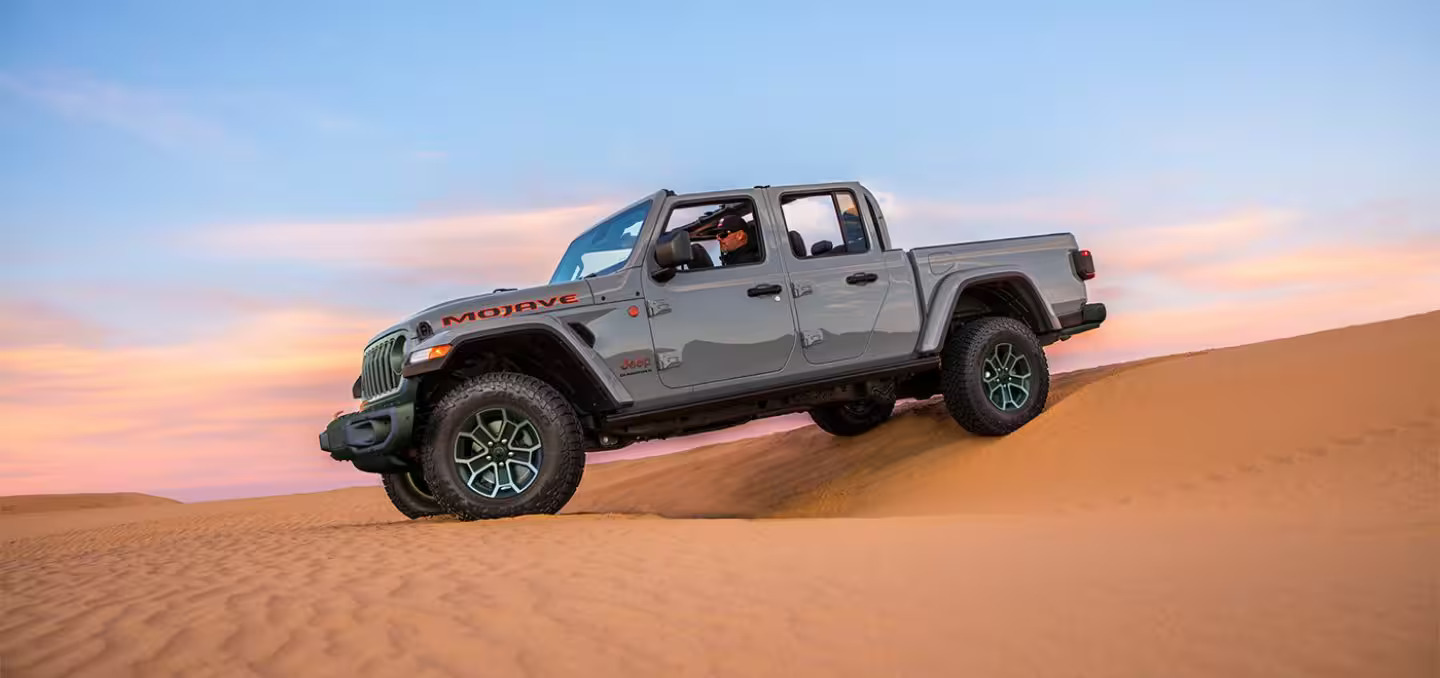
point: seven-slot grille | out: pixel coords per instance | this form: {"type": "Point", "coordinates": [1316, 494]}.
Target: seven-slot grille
{"type": "Point", "coordinates": [378, 377]}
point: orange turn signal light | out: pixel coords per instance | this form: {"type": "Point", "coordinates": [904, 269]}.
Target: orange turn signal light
{"type": "Point", "coordinates": [438, 352]}
{"type": "Point", "coordinates": [634, 311]}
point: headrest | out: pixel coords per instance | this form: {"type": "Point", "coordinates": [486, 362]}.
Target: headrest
{"type": "Point", "coordinates": [797, 244]}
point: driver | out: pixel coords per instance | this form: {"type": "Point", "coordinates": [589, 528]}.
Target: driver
{"type": "Point", "coordinates": [738, 244]}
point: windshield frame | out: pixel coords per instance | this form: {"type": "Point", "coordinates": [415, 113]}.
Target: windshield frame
{"type": "Point", "coordinates": [581, 245]}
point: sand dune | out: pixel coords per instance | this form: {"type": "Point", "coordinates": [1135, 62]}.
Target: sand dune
{"type": "Point", "coordinates": [37, 503]}
{"type": "Point", "coordinates": [1265, 510]}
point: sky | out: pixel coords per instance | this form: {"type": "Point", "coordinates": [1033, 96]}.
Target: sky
{"type": "Point", "coordinates": [207, 208]}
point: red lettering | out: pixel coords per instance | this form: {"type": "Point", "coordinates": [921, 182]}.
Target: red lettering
{"type": "Point", "coordinates": [508, 309]}
{"type": "Point", "coordinates": [454, 320]}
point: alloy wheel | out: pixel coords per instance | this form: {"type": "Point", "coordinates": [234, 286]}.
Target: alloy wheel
{"type": "Point", "coordinates": [498, 453]}
{"type": "Point", "coordinates": [1007, 378]}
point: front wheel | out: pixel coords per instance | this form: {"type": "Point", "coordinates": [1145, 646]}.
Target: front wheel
{"type": "Point", "coordinates": [410, 494]}
{"type": "Point", "coordinates": [501, 445]}
{"type": "Point", "coordinates": [994, 376]}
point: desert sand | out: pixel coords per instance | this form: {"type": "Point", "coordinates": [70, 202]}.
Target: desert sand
{"type": "Point", "coordinates": [1264, 510]}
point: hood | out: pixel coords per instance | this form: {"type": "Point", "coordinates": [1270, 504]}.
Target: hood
{"type": "Point", "coordinates": [465, 312]}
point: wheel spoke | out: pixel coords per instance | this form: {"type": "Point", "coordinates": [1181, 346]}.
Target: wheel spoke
{"type": "Point", "coordinates": [496, 433]}
{"type": "Point", "coordinates": [516, 441]}
{"type": "Point", "coordinates": [479, 474]}
{"type": "Point", "coordinates": [526, 479]}
{"type": "Point", "coordinates": [503, 479]}
{"type": "Point", "coordinates": [505, 460]}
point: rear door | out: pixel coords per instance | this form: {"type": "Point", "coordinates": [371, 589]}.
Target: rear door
{"type": "Point", "coordinates": [837, 271]}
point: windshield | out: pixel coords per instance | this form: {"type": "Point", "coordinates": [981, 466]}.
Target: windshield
{"type": "Point", "coordinates": [604, 248]}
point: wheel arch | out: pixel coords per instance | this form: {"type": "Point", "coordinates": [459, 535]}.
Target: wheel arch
{"type": "Point", "coordinates": [1003, 291]}
{"type": "Point", "coordinates": [543, 349]}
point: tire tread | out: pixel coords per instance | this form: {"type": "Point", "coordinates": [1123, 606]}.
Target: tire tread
{"type": "Point", "coordinates": [558, 415]}
{"type": "Point", "coordinates": [960, 360]}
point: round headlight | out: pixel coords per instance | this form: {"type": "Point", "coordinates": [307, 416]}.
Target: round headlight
{"type": "Point", "coordinates": [397, 355]}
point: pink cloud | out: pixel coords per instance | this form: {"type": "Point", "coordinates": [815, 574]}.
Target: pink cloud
{"type": "Point", "coordinates": [1328, 264]}
{"type": "Point", "coordinates": [1160, 249]}
{"type": "Point", "coordinates": [241, 404]}
{"type": "Point", "coordinates": [93, 416]}
{"type": "Point", "coordinates": [1134, 334]}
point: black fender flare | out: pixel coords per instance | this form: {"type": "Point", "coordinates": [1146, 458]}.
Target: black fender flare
{"type": "Point", "coordinates": [953, 286]}
{"type": "Point", "coordinates": [601, 376]}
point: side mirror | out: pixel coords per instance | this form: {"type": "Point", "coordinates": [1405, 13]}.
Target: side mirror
{"type": "Point", "coordinates": [820, 248]}
{"type": "Point", "coordinates": [672, 254]}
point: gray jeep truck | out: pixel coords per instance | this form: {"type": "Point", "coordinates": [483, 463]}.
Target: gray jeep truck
{"type": "Point", "coordinates": [687, 313]}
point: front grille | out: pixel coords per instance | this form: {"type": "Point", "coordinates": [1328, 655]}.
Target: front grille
{"type": "Point", "coordinates": [377, 376]}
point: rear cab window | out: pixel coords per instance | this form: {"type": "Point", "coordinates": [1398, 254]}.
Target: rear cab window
{"type": "Point", "coordinates": [824, 224]}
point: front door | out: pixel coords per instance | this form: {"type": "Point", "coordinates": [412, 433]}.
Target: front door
{"type": "Point", "coordinates": [837, 273]}
{"type": "Point", "coordinates": [727, 314]}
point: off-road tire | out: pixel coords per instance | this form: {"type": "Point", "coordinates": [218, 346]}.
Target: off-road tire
{"type": "Point", "coordinates": [410, 494]}
{"type": "Point", "coordinates": [855, 417]}
{"type": "Point", "coordinates": [962, 373]}
{"type": "Point", "coordinates": [561, 440]}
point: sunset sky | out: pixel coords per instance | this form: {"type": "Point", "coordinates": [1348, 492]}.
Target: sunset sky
{"type": "Point", "coordinates": [207, 208]}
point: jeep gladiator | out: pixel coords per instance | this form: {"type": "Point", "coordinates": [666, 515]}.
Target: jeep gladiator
{"type": "Point", "coordinates": [683, 313]}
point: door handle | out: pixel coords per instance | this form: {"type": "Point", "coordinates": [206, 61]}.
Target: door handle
{"type": "Point", "coordinates": [764, 290]}
{"type": "Point", "coordinates": [861, 278]}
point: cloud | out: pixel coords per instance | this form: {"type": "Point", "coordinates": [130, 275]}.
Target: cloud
{"type": "Point", "coordinates": [242, 403]}
{"type": "Point", "coordinates": [1051, 211]}
{"type": "Point", "coordinates": [1329, 264]}
{"type": "Point", "coordinates": [261, 383]}
{"type": "Point", "coordinates": [158, 119]}
{"type": "Point", "coordinates": [495, 247]}
{"type": "Point", "coordinates": [1161, 249]}
{"type": "Point", "coordinates": [30, 321]}
{"type": "Point", "coordinates": [1130, 334]}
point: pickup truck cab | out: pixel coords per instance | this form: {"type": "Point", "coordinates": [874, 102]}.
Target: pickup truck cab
{"type": "Point", "coordinates": [687, 313]}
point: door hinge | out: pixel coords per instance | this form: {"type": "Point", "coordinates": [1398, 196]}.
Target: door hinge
{"type": "Point", "coordinates": [811, 337]}
{"type": "Point", "coordinates": [657, 306]}
{"type": "Point", "coordinates": [800, 289]}
{"type": "Point", "coordinates": [668, 359]}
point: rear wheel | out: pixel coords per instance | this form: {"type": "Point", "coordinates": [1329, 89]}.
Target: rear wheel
{"type": "Point", "coordinates": [994, 375]}
{"type": "Point", "coordinates": [501, 445]}
{"type": "Point", "coordinates": [409, 492]}
{"type": "Point", "coordinates": [855, 417]}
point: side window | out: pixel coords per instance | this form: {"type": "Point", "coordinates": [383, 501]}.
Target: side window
{"type": "Point", "coordinates": [724, 233]}
{"type": "Point", "coordinates": [824, 224]}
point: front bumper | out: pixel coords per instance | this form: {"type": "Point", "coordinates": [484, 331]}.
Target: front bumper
{"type": "Point", "coordinates": [374, 440]}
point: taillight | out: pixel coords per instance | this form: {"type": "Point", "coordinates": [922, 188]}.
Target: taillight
{"type": "Point", "coordinates": [1084, 264]}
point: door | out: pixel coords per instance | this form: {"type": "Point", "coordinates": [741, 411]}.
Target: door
{"type": "Point", "coordinates": [727, 314]}
{"type": "Point", "coordinates": [837, 272]}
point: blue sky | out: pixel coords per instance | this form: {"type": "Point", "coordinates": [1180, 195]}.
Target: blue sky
{"type": "Point", "coordinates": [163, 158]}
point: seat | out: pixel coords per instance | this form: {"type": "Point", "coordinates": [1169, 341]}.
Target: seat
{"type": "Point", "coordinates": [700, 257]}
{"type": "Point", "coordinates": [797, 245]}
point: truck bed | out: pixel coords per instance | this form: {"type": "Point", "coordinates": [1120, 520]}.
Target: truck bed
{"type": "Point", "coordinates": [1044, 259]}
